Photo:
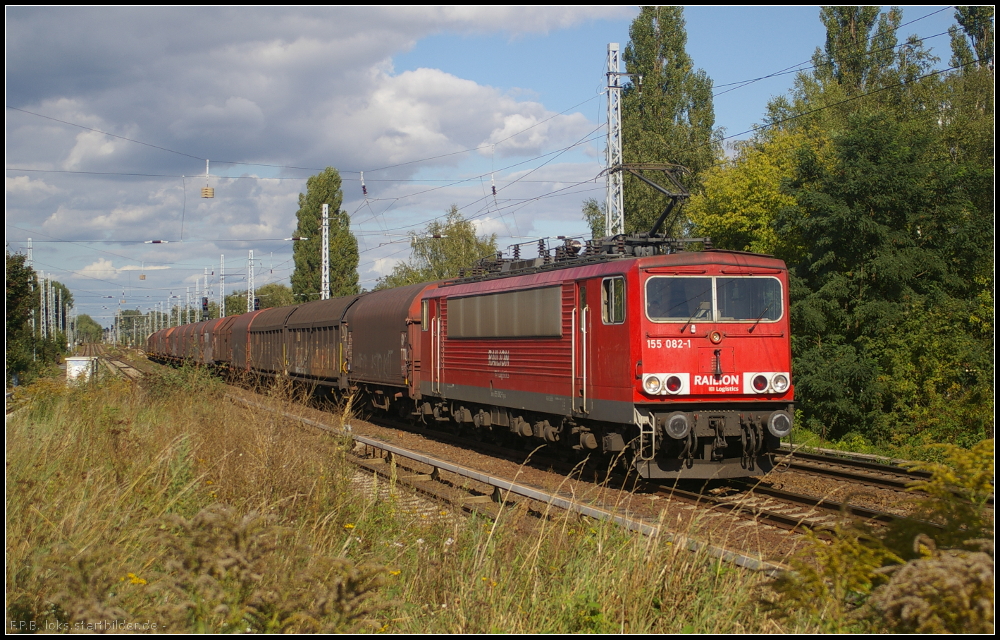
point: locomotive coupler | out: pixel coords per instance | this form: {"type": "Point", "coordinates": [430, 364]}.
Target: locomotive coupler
{"type": "Point", "coordinates": [752, 440]}
{"type": "Point", "coordinates": [719, 426]}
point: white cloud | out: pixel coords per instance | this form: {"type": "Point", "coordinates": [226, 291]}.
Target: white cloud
{"type": "Point", "coordinates": [145, 267]}
{"type": "Point", "coordinates": [25, 186]}
{"type": "Point", "coordinates": [427, 112]}
{"type": "Point", "coordinates": [493, 224]}
{"type": "Point", "coordinates": [89, 144]}
{"type": "Point", "coordinates": [101, 270]}
{"type": "Point", "coordinates": [309, 87]}
{"type": "Point", "coordinates": [384, 266]}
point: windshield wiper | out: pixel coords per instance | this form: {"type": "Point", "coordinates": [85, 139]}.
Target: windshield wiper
{"type": "Point", "coordinates": [702, 308]}
{"type": "Point", "coordinates": [759, 318]}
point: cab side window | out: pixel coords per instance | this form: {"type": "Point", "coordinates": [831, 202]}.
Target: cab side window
{"type": "Point", "coordinates": [613, 300]}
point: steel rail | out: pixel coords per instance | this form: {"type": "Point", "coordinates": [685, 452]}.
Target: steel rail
{"type": "Point", "coordinates": [533, 493]}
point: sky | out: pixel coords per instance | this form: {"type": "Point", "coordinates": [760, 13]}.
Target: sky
{"type": "Point", "coordinates": [111, 113]}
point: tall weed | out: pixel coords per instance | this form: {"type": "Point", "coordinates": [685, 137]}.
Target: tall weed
{"type": "Point", "coordinates": [929, 572]}
{"type": "Point", "coordinates": [168, 503]}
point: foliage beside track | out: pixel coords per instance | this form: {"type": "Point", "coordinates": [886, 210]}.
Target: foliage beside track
{"type": "Point", "coordinates": [27, 354]}
{"type": "Point", "coordinates": [168, 504]}
{"type": "Point", "coordinates": [931, 572]}
{"type": "Point", "coordinates": [873, 180]}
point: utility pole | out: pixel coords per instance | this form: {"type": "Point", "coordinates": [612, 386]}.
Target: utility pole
{"type": "Point", "coordinates": [31, 263]}
{"type": "Point", "coordinates": [325, 269]}
{"type": "Point", "coordinates": [222, 285]}
{"type": "Point", "coordinates": [41, 304]}
{"type": "Point", "coordinates": [614, 215]}
{"type": "Point", "coordinates": [250, 290]}
{"type": "Point", "coordinates": [50, 303]}
{"type": "Point", "coordinates": [205, 294]}
{"type": "Point", "coordinates": [44, 310]}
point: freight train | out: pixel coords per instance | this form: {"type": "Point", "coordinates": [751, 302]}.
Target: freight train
{"type": "Point", "coordinates": [677, 361]}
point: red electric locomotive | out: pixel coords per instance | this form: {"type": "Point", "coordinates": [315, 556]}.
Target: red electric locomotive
{"type": "Point", "coordinates": [676, 361]}
{"type": "Point", "coordinates": [679, 361]}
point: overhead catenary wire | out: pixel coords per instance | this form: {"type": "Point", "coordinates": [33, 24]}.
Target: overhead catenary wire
{"type": "Point", "coordinates": [294, 167]}
{"type": "Point", "coordinates": [510, 206]}
{"type": "Point", "coordinates": [793, 68]}
{"type": "Point", "coordinates": [799, 68]}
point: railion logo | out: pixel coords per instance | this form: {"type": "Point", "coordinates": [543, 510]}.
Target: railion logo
{"type": "Point", "coordinates": [717, 380]}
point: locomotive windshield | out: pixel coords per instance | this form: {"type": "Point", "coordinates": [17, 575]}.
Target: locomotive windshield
{"type": "Point", "coordinates": [748, 298]}
{"type": "Point", "coordinates": [707, 299]}
{"type": "Point", "coordinates": [679, 299]}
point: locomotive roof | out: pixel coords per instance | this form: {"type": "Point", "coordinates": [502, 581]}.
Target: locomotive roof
{"type": "Point", "coordinates": [589, 268]}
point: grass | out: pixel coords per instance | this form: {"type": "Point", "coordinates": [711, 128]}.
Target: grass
{"type": "Point", "coordinates": [166, 504]}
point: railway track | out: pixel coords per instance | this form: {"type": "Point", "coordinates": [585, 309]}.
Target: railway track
{"type": "Point", "coordinates": [783, 509]}
{"type": "Point", "coordinates": [92, 349]}
{"type": "Point", "coordinates": [114, 364]}
{"type": "Point", "coordinates": [852, 469]}
{"type": "Point", "coordinates": [855, 470]}
{"type": "Point", "coordinates": [751, 501]}
{"type": "Point", "coordinates": [472, 490]}
{"type": "Point", "coordinates": [746, 498]}
{"type": "Point", "coordinates": [122, 368]}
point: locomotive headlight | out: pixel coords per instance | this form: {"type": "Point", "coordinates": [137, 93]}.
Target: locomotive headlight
{"type": "Point", "coordinates": [779, 424]}
{"type": "Point", "coordinates": [780, 383]}
{"type": "Point", "coordinates": [677, 425]}
{"type": "Point", "coordinates": [651, 385]}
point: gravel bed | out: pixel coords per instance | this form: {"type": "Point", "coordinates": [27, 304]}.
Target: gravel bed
{"type": "Point", "coordinates": [737, 533]}
{"type": "Point", "coordinates": [883, 499]}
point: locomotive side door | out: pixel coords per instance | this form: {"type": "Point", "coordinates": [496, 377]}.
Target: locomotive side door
{"type": "Point", "coordinates": [579, 347]}
{"type": "Point", "coordinates": [430, 341]}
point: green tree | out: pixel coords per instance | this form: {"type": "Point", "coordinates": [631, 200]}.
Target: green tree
{"type": "Point", "coordinates": [743, 195]}
{"type": "Point", "coordinates": [977, 27]}
{"type": "Point", "coordinates": [889, 239]}
{"type": "Point", "coordinates": [860, 70]}
{"type": "Point", "coordinates": [323, 188]}
{"type": "Point", "coordinates": [445, 247]}
{"type": "Point", "coordinates": [967, 119]}
{"type": "Point", "coordinates": [894, 240]}
{"type": "Point", "coordinates": [275, 294]}
{"type": "Point", "coordinates": [671, 120]}
{"type": "Point", "coordinates": [132, 325]}
{"type": "Point", "coordinates": [236, 303]}
{"type": "Point", "coordinates": [87, 329]}
{"type": "Point", "coordinates": [27, 354]}
{"type": "Point", "coordinates": [853, 58]}
{"type": "Point", "coordinates": [594, 215]}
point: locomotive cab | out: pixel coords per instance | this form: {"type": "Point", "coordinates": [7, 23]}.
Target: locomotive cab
{"type": "Point", "coordinates": [713, 390]}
